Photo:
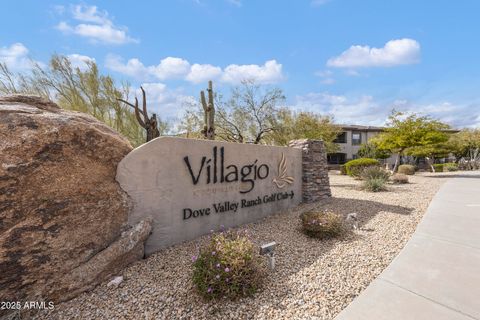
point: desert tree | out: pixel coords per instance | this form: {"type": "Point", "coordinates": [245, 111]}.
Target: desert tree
{"type": "Point", "coordinates": [371, 150]}
{"type": "Point", "coordinates": [409, 131]}
{"type": "Point", "coordinates": [21, 83]}
{"type": "Point", "coordinates": [79, 89]}
{"type": "Point", "coordinates": [9, 83]}
{"type": "Point", "coordinates": [290, 125]}
{"type": "Point", "coordinates": [465, 145]}
{"type": "Point", "coordinates": [250, 114]}
{"type": "Point", "coordinates": [191, 125]}
{"type": "Point", "coordinates": [430, 152]}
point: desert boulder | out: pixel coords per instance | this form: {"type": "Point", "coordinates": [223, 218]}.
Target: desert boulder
{"type": "Point", "coordinates": [63, 217]}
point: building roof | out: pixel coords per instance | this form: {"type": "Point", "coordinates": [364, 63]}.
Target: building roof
{"type": "Point", "coordinates": [360, 127]}
{"type": "Point", "coordinates": [378, 129]}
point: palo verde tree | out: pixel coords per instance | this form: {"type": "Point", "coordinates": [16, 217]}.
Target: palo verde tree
{"type": "Point", "coordinates": [150, 124]}
{"type": "Point", "coordinates": [408, 131]}
{"type": "Point", "coordinates": [80, 89]}
{"type": "Point", "coordinates": [304, 125]}
{"type": "Point", "coordinates": [466, 145]}
{"type": "Point", "coordinates": [191, 125]}
{"type": "Point", "coordinates": [430, 152]}
{"type": "Point", "coordinates": [371, 150]}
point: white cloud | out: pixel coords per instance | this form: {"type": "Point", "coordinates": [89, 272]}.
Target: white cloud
{"type": "Point", "coordinates": [79, 61]}
{"type": "Point", "coordinates": [170, 68]}
{"type": "Point", "coordinates": [178, 68]}
{"type": "Point", "coordinates": [166, 103]}
{"type": "Point", "coordinates": [203, 72]}
{"type": "Point", "coordinates": [326, 76]}
{"type": "Point", "coordinates": [362, 110]}
{"type": "Point", "coordinates": [365, 110]}
{"type": "Point", "coordinates": [64, 27]}
{"type": "Point", "coordinates": [270, 72]}
{"type": "Point", "coordinates": [95, 26]}
{"type": "Point", "coordinates": [15, 57]}
{"type": "Point", "coordinates": [456, 114]}
{"type": "Point", "coordinates": [133, 68]}
{"type": "Point", "coordinates": [90, 14]}
{"type": "Point", "coordinates": [394, 53]}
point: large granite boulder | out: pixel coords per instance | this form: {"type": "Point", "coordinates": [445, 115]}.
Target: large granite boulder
{"type": "Point", "coordinates": [63, 217]}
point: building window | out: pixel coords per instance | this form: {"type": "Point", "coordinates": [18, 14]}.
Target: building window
{"type": "Point", "coordinates": [336, 158]}
{"type": "Point", "coordinates": [356, 138]}
{"type": "Point", "coordinates": [355, 156]}
{"type": "Point", "coordinates": [341, 138]}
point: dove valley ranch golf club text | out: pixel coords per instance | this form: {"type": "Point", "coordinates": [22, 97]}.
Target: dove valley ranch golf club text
{"type": "Point", "coordinates": [232, 206]}
{"type": "Point", "coordinates": [213, 169]}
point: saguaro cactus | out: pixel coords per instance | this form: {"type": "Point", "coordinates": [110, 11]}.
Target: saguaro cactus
{"type": "Point", "coordinates": [209, 113]}
{"type": "Point", "coordinates": [149, 124]}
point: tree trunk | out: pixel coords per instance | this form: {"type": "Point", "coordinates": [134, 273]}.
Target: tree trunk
{"type": "Point", "coordinates": [210, 134]}
{"type": "Point", "coordinates": [430, 163]}
{"type": "Point", "coordinates": [395, 167]}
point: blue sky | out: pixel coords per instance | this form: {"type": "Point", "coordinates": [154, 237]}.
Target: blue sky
{"type": "Point", "coordinates": [355, 60]}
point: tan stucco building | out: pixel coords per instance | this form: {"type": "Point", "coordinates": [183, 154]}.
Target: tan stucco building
{"type": "Point", "coordinates": [350, 140]}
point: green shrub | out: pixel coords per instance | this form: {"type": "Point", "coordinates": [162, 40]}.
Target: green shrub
{"type": "Point", "coordinates": [228, 266]}
{"type": "Point", "coordinates": [407, 169]}
{"type": "Point", "coordinates": [343, 170]}
{"type": "Point", "coordinates": [374, 184]}
{"type": "Point", "coordinates": [322, 225]}
{"type": "Point", "coordinates": [374, 178]}
{"type": "Point", "coordinates": [355, 167]}
{"type": "Point", "coordinates": [438, 167]}
{"type": "Point", "coordinates": [375, 173]}
{"type": "Point", "coordinates": [400, 178]}
{"type": "Point", "coordinates": [450, 166]}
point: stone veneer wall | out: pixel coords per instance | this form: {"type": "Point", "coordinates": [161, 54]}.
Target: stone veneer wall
{"type": "Point", "coordinates": [316, 185]}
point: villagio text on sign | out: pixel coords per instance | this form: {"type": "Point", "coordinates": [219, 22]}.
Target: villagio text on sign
{"type": "Point", "coordinates": [190, 187]}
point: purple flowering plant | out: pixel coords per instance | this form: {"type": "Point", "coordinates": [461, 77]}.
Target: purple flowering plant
{"type": "Point", "coordinates": [228, 266]}
{"type": "Point", "coordinates": [323, 225]}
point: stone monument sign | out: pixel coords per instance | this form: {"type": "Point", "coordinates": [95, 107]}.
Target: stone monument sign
{"type": "Point", "coordinates": [189, 187]}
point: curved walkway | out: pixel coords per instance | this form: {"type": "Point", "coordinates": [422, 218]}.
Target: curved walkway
{"type": "Point", "coordinates": [437, 274]}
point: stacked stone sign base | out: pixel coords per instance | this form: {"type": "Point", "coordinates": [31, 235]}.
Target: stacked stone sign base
{"type": "Point", "coordinates": [190, 187]}
{"type": "Point", "coordinates": [316, 185]}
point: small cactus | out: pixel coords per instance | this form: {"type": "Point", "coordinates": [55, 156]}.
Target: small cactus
{"type": "Point", "coordinates": [209, 113]}
{"type": "Point", "coordinates": [149, 124]}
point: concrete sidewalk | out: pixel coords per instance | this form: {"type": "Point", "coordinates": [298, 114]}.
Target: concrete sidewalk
{"type": "Point", "coordinates": [437, 274]}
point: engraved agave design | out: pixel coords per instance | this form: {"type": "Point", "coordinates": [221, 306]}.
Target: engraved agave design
{"type": "Point", "coordinates": [282, 180]}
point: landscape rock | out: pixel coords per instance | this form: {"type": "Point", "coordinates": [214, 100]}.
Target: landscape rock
{"type": "Point", "coordinates": [127, 249]}
{"type": "Point", "coordinates": [313, 279]}
{"type": "Point", "coordinates": [115, 281]}
{"type": "Point", "coordinates": [62, 213]}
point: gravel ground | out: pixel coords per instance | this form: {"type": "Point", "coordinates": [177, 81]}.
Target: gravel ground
{"type": "Point", "coordinates": [313, 279]}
